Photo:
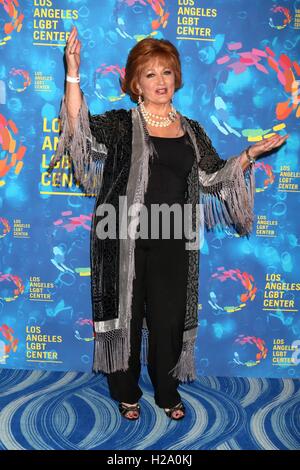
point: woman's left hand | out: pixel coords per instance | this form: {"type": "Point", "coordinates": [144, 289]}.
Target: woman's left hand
{"type": "Point", "coordinates": [266, 145]}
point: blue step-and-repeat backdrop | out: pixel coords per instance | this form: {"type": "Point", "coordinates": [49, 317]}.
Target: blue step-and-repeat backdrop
{"type": "Point", "coordinates": [241, 74]}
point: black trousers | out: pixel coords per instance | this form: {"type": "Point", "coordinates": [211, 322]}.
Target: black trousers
{"type": "Point", "coordinates": [161, 281]}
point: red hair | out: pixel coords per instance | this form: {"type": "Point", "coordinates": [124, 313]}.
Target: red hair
{"type": "Point", "coordinates": [144, 51]}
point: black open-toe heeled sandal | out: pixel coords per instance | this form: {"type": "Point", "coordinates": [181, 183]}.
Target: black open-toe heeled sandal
{"type": "Point", "coordinates": [125, 409]}
{"type": "Point", "coordinates": [178, 407]}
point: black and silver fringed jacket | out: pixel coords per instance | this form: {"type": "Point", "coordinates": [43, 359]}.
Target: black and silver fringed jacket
{"type": "Point", "coordinates": [110, 159]}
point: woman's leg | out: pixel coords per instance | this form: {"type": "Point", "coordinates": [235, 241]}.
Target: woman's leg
{"type": "Point", "coordinates": [166, 303]}
{"type": "Point", "coordinates": [123, 385]}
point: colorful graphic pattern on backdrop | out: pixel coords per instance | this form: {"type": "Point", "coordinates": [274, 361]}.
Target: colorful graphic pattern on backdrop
{"type": "Point", "coordinates": [241, 74]}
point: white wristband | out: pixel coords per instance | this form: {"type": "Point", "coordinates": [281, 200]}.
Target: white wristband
{"type": "Point", "coordinates": [73, 79]}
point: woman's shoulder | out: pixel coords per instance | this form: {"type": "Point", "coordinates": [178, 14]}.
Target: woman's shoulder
{"type": "Point", "coordinates": [118, 114]}
{"type": "Point", "coordinates": [113, 121]}
{"type": "Point", "coordinates": [120, 120]}
{"type": "Point", "coordinates": [197, 128]}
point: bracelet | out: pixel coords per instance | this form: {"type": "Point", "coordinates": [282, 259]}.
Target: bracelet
{"type": "Point", "coordinates": [251, 159]}
{"type": "Point", "coordinates": [73, 79]}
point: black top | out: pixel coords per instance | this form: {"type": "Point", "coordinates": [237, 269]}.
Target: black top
{"type": "Point", "coordinates": [168, 170]}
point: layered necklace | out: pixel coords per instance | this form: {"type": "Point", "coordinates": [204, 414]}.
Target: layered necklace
{"type": "Point", "coordinates": [156, 120]}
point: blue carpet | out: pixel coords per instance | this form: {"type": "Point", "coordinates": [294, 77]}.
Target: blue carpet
{"type": "Point", "coordinates": [73, 411]}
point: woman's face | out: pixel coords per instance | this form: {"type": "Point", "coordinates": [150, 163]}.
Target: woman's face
{"type": "Point", "coordinates": [157, 83]}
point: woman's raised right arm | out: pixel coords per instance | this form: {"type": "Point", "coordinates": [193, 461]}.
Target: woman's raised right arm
{"type": "Point", "coordinates": [84, 139]}
{"type": "Point", "coordinates": [73, 95]}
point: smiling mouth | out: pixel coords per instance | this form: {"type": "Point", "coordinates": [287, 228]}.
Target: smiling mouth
{"type": "Point", "coordinates": [161, 91]}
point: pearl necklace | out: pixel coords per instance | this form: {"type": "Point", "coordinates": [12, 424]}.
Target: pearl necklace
{"type": "Point", "coordinates": [156, 120]}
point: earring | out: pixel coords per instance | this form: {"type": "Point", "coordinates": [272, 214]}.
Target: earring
{"type": "Point", "coordinates": [140, 100]}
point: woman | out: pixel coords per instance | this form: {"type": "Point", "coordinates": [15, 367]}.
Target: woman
{"type": "Point", "coordinates": [149, 155]}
